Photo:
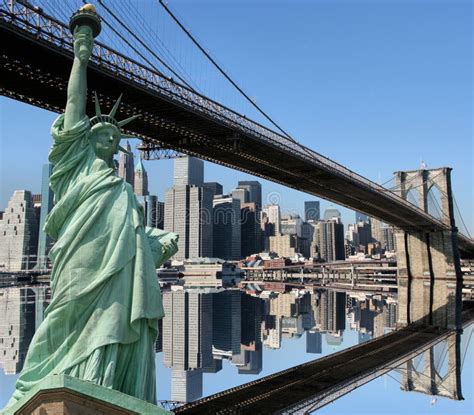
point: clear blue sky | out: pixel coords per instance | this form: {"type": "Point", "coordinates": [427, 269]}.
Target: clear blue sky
{"type": "Point", "coordinates": [375, 85]}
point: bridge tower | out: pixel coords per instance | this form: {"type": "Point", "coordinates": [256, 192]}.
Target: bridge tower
{"type": "Point", "coordinates": [429, 379]}
{"type": "Point", "coordinates": [429, 270]}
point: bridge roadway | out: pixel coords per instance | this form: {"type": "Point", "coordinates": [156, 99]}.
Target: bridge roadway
{"type": "Point", "coordinates": [321, 381]}
{"type": "Point", "coordinates": [35, 61]}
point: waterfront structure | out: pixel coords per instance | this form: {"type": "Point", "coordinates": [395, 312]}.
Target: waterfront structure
{"type": "Point", "coordinates": [47, 198]}
{"type": "Point", "coordinates": [18, 233]}
{"type": "Point", "coordinates": [140, 181]}
{"type": "Point", "coordinates": [254, 191]}
{"type": "Point", "coordinates": [331, 213]}
{"type": "Point", "coordinates": [188, 171]}
{"type": "Point", "coordinates": [126, 169]}
{"type": "Point", "coordinates": [329, 238]}
{"type": "Point", "coordinates": [227, 230]}
{"type": "Point", "coordinates": [312, 210]}
{"type": "Point", "coordinates": [210, 272]}
{"type": "Point", "coordinates": [188, 212]}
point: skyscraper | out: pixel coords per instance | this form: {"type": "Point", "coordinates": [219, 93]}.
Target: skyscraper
{"type": "Point", "coordinates": [44, 241]}
{"type": "Point", "coordinates": [242, 195]}
{"type": "Point", "coordinates": [329, 238]}
{"type": "Point", "coordinates": [214, 187]}
{"type": "Point", "coordinates": [140, 186]}
{"type": "Point", "coordinates": [272, 212]}
{"type": "Point", "coordinates": [251, 232]}
{"type": "Point", "coordinates": [188, 212]}
{"type": "Point", "coordinates": [311, 210]}
{"type": "Point", "coordinates": [18, 233]}
{"type": "Point", "coordinates": [254, 190]}
{"type": "Point", "coordinates": [188, 171]}
{"type": "Point", "coordinates": [331, 213]}
{"type": "Point", "coordinates": [227, 230]}
{"type": "Point", "coordinates": [154, 212]}
{"type": "Point", "coordinates": [361, 217]}
{"type": "Point", "coordinates": [126, 165]}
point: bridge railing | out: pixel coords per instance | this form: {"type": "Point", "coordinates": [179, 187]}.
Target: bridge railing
{"type": "Point", "coordinates": [48, 28]}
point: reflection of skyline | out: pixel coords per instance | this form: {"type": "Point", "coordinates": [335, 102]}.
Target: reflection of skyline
{"type": "Point", "coordinates": [204, 328]}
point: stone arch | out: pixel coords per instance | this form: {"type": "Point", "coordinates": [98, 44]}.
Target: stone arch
{"type": "Point", "coordinates": [434, 201]}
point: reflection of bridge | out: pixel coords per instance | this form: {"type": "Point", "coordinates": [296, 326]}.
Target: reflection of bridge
{"type": "Point", "coordinates": [35, 64]}
{"type": "Point", "coordinates": [307, 387]}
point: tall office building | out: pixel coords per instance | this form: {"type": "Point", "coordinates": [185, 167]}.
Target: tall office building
{"type": "Point", "coordinates": [312, 210]}
{"type": "Point", "coordinates": [187, 329]}
{"type": "Point", "coordinates": [188, 171]}
{"type": "Point", "coordinates": [188, 212]}
{"type": "Point", "coordinates": [329, 238]}
{"type": "Point", "coordinates": [154, 212]}
{"type": "Point", "coordinates": [284, 245]}
{"type": "Point", "coordinates": [126, 165]}
{"type": "Point", "coordinates": [388, 242]}
{"type": "Point", "coordinates": [331, 213]}
{"type": "Point", "coordinates": [361, 217]}
{"type": "Point", "coordinates": [251, 231]}
{"type": "Point", "coordinates": [140, 181]}
{"type": "Point", "coordinates": [19, 233]}
{"type": "Point", "coordinates": [364, 234]}
{"type": "Point", "coordinates": [214, 187]}
{"type": "Point", "coordinates": [376, 229]}
{"type": "Point", "coordinates": [242, 195]}
{"type": "Point", "coordinates": [254, 190]}
{"type": "Point", "coordinates": [272, 212]}
{"type": "Point", "coordinates": [227, 230]}
{"type": "Point", "coordinates": [291, 225]}
{"type": "Point", "coordinates": [44, 241]}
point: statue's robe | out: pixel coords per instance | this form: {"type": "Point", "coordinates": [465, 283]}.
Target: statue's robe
{"type": "Point", "coordinates": [103, 318]}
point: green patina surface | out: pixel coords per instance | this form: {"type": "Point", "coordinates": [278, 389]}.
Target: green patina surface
{"type": "Point", "coordinates": [106, 301]}
{"type": "Point", "coordinates": [90, 390]}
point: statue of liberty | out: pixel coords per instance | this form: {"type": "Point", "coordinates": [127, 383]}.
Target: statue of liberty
{"type": "Point", "coordinates": [102, 322]}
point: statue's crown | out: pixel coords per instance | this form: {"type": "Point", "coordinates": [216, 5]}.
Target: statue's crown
{"type": "Point", "coordinates": [109, 118]}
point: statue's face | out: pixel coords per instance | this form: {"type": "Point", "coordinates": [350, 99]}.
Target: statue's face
{"type": "Point", "coordinates": [105, 139]}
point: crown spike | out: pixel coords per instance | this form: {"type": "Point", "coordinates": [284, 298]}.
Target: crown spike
{"type": "Point", "coordinates": [98, 112]}
{"type": "Point", "coordinates": [115, 107]}
{"type": "Point", "coordinates": [127, 120]}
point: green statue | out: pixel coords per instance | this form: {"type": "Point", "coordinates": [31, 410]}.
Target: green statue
{"type": "Point", "coordinates": [102, 322]}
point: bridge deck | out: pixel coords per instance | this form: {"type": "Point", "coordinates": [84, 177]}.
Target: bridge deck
{"type": "Point", "coordinates": [319, 379]}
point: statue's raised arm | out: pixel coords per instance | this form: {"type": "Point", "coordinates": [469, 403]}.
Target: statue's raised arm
{"type": "Point", "coordinates": [85, 25]}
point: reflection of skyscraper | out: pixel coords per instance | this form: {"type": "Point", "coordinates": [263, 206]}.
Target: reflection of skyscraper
{"type": "Point", "coordinates": [332, 311]}
{"type": "Point", "coordinates": [227, 322]}
{"type": "Point", "coordinates": [253, 362]}
{"type": "Point", "coordinates": [187, 329]}
{"type": "Point", "coordinates": [314, 342]}
{"type": "Point", "coordinates": [22, 310]}
{"type": "Point", "coordinates": [186, 385]}
{"type": "Point", "coordinates": [252, 315]}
